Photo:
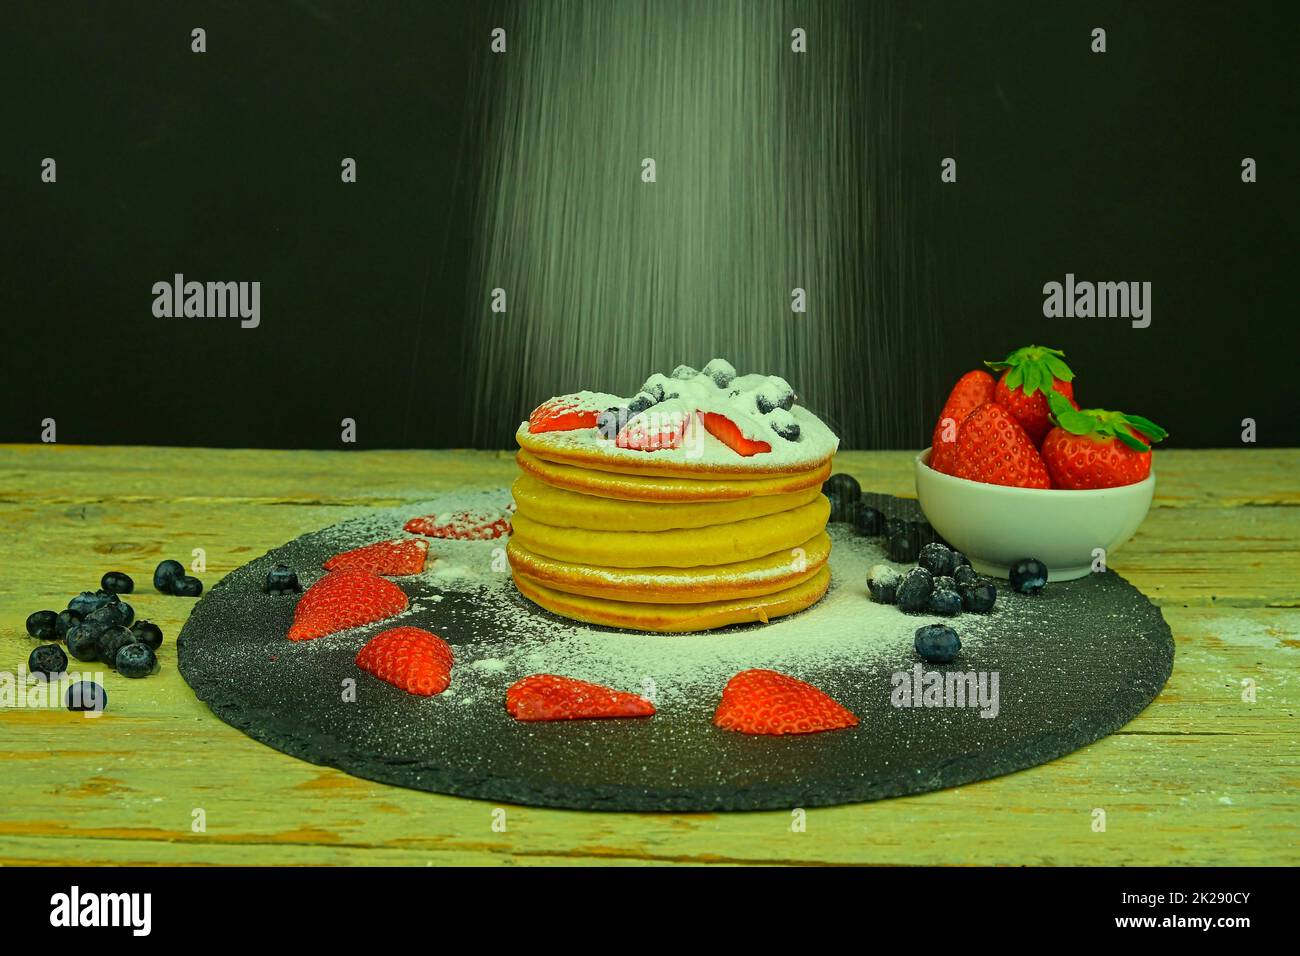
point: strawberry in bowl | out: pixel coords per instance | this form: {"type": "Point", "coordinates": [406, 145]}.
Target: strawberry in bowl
{"type": "Point", "coordinates": [1026, 473]}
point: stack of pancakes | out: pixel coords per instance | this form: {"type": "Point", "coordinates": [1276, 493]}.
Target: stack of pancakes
{"type": "Point", "coordinates": [637, 541]}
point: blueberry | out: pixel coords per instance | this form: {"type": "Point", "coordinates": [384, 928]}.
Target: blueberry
{"type": "Point", "coordinates": [654, 387]}
{"type": "Point", "coordinates": [944, 582]}
{"type": "Point", "coordinates": [959, 560]}
{"type": "Point", "coordinates": [113, 640]}
{"type": "Point", "coordinates": [945, 602]}
{"type": "Point", "coordinates": [640, 403]}
{"type": "Point", "coordinates": [903, 540]}
{"type": "Point", "coordinates": [882, 582]}
{"type": "Point", "coordinates": [1028, 576]}
{"type": "Point", "coordinates": [83, 643]}
{"type": "Point", "coordinates": [88, 601]}
{"type": "Point", "coordinates": [117, 582]}
{"type": "Point", "coordinates": [684, 372]}
{"type": "Point", "coordinates": [936, 559]}
{"type": "Point", "coordinates": [914, 590]}
{"type": "Point", "coordinates": [789, 430]}
{"type": "Point", "coordinates": [937, 643]}
{"type": "Point", "coordinates": [110, 615]}
{"type": "Point", "coordinates": [846, 486]}
{"type": "Point", "coordinates": [979, 598]}
{"type": "Point", "coordinates": [41, 625]}
{"type": "Point", "coordinates": [148, 634]}
{"type": "Point", "coordinates": [48, 659]}
{"type": "Point", "coordinates": [964, 576]}
{"type": "Point", "coordinates": [721, 371]}
{"type": "Point", "coordinates": [869, 521]}
{"type": "Point", "coordinates": [136, 660]}
{"type": "Point", "coordinates": [165, 574]}
{"type": "Point", "coordinates": [86, 695]}
{"type": "Point", "coordinates": [187, 586]}
{"type": "Point", "coordinates": [64, 623]}
{"type": "Point", "coordinates": [282, 579]}
{"type": "Point", "coordinates": [773, 394]}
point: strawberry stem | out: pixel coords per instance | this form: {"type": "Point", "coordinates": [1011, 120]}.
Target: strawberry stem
{"type": "Point", "coordinates": [1130, 429]}
{"type": "Point", "coordinates": [1034, 368]}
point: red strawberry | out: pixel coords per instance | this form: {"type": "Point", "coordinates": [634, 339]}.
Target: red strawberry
{"type": "Point", "coordinates": [994, 449]}
{"type": "Point", "coordinates": [562, 414]}
{"type": "Point", "coordinates": [1028, 375]}
{"type": "Point", "coordinates": [1094, 448]}
{"type": "Point", "coordinates": [727, 432]}
{"type": "Point", "coordinates": [765, 702]}
{"type": "Point", "coordinates": [401, 556]}
{"type": "Point", "coordinates": [469, 525]}
{"type": "Point", "coordinates": [971, 391]}
{"type": "Point", "coordinates": [652, 432]}
{"type": "Point", "coordinates": [344, 599]}
{"type": "Point", "coordinates": [410, 658]}
{"type": "Point", "coordinates": [548, 697]}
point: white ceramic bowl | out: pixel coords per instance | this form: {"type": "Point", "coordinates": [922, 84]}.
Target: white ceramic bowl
{"type": "Point", "coordinates": [995, 526]}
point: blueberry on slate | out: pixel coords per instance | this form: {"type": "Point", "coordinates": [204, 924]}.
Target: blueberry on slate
{"type": "Point", "coordinates": [1028, 576]}
{"type": "Point", "coordinates": [167, 572]}
{"type": "Point", "coordinates": [902, 540]}
{"type": "Point", "coordinates": [86, 695]}
{"type": "Point", "coordinates": [937, 643]}
{"type": "Point", "coordinates": [844, 493]}
{"type": "Point", "coordinates": [113, 640]}
{"type": "Point", "coordinates": [63, 623]}
{"type": "Point", "coordinates": [944, 582]}
{"type": "Point", "coordinates": [959, 560]}
{"type": "Point", "coordinates": [88, 601]}
{"type": "Point", "coordinates": [684, 372]}
{"type": "Point", "coordinates": [882, 582]}
{"type": "Point", "coordinates": [721, 371]}
{"type": "Point", "coordinates": [964, 576]}
{"type": "Point", "coordinates": [41, 625]}
{"type": "Point", "coordinates": [979, 598]}
{"type": "Point", "coordinates": [281, 579]}
{"type": "Point", "coordinates": [148, 633]}
{"type": "Point", "coordinates": [187, 586]}
{"type": "Point", "coordinates": [83, 643]}
{"type": "Point", "coordinates": [117, 582]}
{"type": "Point", "coordinates": [869, 521]}
{"type": "Point", "coordinates": [136, 660]}
{"type": "Point", "coordinates": [48, 659]}
{"type": "Point", "coordinates": [936, 559]}
{"type": "Point", "coordinates": [788, 429]}
{"type": "Point", "coordinates": [945, 602]}
{"type": "Point", "coordinates": [914, 590]}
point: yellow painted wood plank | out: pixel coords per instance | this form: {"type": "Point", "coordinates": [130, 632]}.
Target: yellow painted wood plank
{"type": "Point", "coordinates": [1200, 777]}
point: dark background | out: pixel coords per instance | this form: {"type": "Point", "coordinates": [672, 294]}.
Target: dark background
{"type": "Point", "coordinates": [1122, 166]}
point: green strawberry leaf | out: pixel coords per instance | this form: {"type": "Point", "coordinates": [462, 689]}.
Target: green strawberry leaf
{"type": "Point", "coordinates": [1014, 377]}
{"type": "Point", "coordinates": [1130, 429]}
{"type": "Point", "coordinates": [1128, 438]}
{"type": "Point", "coordinates": [1147, 427]}
{"type": "Point", "coordinates": [1034, 368]}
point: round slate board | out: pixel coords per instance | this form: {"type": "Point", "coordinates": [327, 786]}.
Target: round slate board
{"type": "Point", "coordinates": [1072, 665]}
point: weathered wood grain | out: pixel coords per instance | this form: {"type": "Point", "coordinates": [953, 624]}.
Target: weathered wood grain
{"type": "Point", "coordinates": [1201, 777]}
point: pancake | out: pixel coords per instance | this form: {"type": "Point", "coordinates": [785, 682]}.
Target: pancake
{"type": "Point", "coordinates": [569, 509]}
{"type": "Point", "coordinates": [675, 585]}
{"type": "Point", "coordinates": [607, 484]}
{"type": "Point", "coordinates": [679, 548]}
{"type": "Point", "coordinates": [672, 618]}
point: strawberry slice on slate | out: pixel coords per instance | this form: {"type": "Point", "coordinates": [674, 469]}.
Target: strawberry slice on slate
{"type": "Point", "coordinates": [727, 432]}
{"type": "Point", "coordinates": [769, 703]}
{"type": "Point", "coordinates": [410, 658]}
{"type": "Point", "coordinates": [551, 697]}
{"type": "Point", "coordinates": [400, 556]}
{"type": "Point", "coordinates": [465, 525]}
{"type": "Point", "coordinates": [344, 599]}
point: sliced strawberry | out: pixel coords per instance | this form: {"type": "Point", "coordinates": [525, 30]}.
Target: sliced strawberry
{"type": "Point", "coordinates": [410, 658]}
{"type": "Point", "coordinates": [766, 702]}
{"type": "Point", "coordinates": [562, 414]}
{"type": "Point", "coordinates": [466, 525]}
{"type": "Point", "coordinates": [651, 432]}
{"type": "Point", "coordinates": [971, 391]}
{"type": "Point", "coordinates": [400, 556]}
{"type": "Point", "coordinates": [727, 432]}
{"type": "Point", "coordinates": [549, 697]}
{"type": "Point", "coordinates": [344, 599]}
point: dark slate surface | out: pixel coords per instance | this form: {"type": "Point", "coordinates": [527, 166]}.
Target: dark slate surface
{"type": "Point", "coordinates": [1079, 663]}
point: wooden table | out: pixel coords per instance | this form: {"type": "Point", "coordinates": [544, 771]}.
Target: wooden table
{"type": "Point", "coordinates": [1202, 777]}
